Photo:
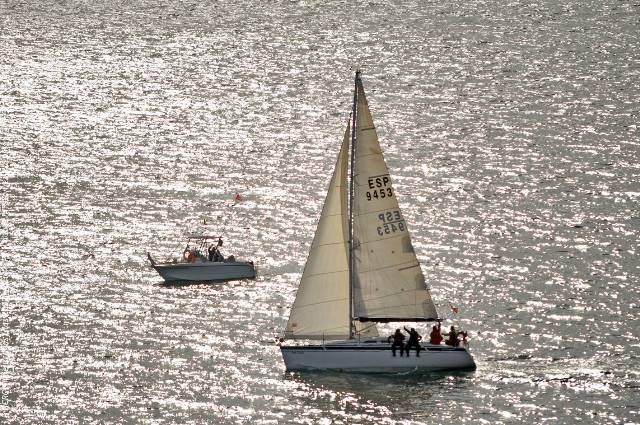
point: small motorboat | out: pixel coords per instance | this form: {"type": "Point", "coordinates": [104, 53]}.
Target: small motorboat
{"type": "Point", "coordinates": [202, 261]}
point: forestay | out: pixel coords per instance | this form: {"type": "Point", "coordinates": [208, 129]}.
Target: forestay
{"type": "Point", "coordinates": [388, 282]}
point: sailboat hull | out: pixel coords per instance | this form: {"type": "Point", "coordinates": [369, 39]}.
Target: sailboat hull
{"type": "Point", "coordinates": [374, 358]}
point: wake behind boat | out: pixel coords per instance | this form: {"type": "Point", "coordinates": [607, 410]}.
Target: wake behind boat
{"type": "Point", "coordinates": [203, 261]}
{"type": "Point", "coordinates": [362, 270]}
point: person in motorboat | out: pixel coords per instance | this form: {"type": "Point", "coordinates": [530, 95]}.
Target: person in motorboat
{"type": "Point", "coordinates": [414, 341]}
{"type": "Point", "coordinates": [435, 337]}
{"type": "Point", "coordinates": [190, 255]}
{"type": "Point", "coordinates": [453, 337]}
{"type": "Point", "coordinates": [398, 341]}
{"type": "Point", "coordinates": [212, 252]}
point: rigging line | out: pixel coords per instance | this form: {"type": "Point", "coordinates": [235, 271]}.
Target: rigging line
{"type": "Point", "coordinates": [394, 295]}
{"type": "Point", "coordinates": [410, 267]}
{"type": "Point", "coordinates": [368, 327]}
{"type": "Point", "coordinates": [325, 273]}
{"type": "Point", "coordinates": [381, 238]}
{"type": "Point", "coordinates": [319, 303]}
{"type": "Point", "coordinates": [326, 244]}
{"type": "Point", "coordinates": [393, 266]}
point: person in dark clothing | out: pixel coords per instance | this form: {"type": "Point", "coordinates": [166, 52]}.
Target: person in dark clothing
{"type": "Point", "coordinates": [414, 341]}
{"type": "Point", "coordinates": [397, 339]}
{"type": "Point", "coordinates": [214, 254]}
{"type": "Point", "coordinates": [453, 337]}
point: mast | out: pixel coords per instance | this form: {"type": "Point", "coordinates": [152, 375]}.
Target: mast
{"type": "Point", "coordinates": [353, 147]}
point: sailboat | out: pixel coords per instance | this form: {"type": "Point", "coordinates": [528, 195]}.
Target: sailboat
{"type": "Point", "coordinates": [362, 270]}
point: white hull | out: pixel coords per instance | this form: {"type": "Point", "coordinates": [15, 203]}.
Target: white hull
{"type": "Point", "coordinates": [205, 271]}
{"type": "Point", "coordinates": [374, 356]}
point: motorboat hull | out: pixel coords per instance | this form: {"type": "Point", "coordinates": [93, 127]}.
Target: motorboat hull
{"type": "Point", "coordinates": [374, 358]}
{"type": "Point", "coordinates": [205, 271]}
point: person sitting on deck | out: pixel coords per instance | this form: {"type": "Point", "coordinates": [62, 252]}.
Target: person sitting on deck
{"type": "Point", "coordinates": [414, 341]}
{"type": "Point", "coordinates": [453, 337]}
{"type": "Point", "coordinates": [436, 336]}
{"type": "Point", "coordinates": [398, 339]}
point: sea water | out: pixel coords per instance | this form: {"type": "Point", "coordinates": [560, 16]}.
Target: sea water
{"type": "Point", "coordinates": [511, 133]}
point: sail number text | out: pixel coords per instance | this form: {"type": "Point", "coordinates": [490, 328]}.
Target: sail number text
{"type": "Point", "coordinates": [379, 188]}
{"type": "Point", "coordinates": [390, 222]}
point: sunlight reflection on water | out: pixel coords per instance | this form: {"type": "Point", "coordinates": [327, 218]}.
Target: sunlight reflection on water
{"type": "Point", "coordinates": [511, 131]}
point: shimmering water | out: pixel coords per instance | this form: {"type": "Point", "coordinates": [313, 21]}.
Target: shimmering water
{"type": "Point", "coordinates": [511, 129]}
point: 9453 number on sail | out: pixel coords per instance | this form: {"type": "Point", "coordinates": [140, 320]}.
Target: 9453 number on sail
{"type": "Point", "coordinates": [390, 222]}
{"type": "Point", "coordinates": [379, 187]}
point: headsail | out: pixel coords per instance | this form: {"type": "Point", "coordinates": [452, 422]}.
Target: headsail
{"type": "Point", "coordinates": [388, 282]}
{"type": "Point", "coordinates": [321, 307]}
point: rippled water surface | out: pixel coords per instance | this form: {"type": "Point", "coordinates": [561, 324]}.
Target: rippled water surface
{"type": "Point", "coordinates": [511, 129]}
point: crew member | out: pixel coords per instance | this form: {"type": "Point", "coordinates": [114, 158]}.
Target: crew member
{"type": "Point", "coordinates": [414, 341]}
{"type": "Point", "coordinates": [453, 337]}
{"type": "Point", "coordinates": [398, 339]}
{"type": "Point", "coordinates": [436, 336]}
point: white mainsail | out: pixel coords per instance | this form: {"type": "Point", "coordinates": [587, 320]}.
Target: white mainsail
{"type": "Point", "coordinates": [321, 307]}
{"type": "Point", "coordinates": [388, 282]}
